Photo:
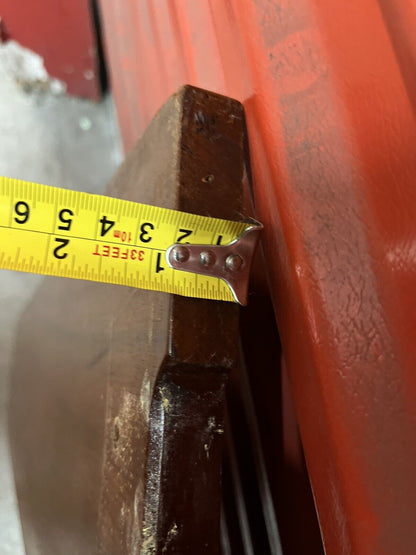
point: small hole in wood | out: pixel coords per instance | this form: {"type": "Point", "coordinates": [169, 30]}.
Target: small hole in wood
{"type": "Point", "coordinates": [116, 431]}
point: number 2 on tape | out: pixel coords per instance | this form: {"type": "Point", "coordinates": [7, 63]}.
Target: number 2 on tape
{"type": "Point", "coordinates": [54, 231]}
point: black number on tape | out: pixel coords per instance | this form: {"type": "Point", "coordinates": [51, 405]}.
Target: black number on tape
{"type": "Point", "coordinates": [184, 233]}
{"type": "Point", "coordinates": [62, 243]}
{"type": "Point", "coordinates": [144, 235]}
{"type": "Point", "coordinates": [63, 216]}
{"type": "Point", "coordinates": [22, 209]}
{"type": "Point", "coordinates": [159, 267]}
{"type": "Point", "coordinates": [219, 239]}
{"type": "Point", "coordinates": [106, 225]}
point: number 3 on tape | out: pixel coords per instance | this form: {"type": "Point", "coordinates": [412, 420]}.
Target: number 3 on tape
{"type": "Point", "coordinates": [51, 231]}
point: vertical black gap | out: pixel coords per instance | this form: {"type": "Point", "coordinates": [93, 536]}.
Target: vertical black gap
{"type": "Point", "coordinates": [230, 519]}
{"type": "Point", "coordinates": [102, 67]}
{"type": "Point", "coordinates": [4, 35]}
{"type": "Point", "coordinates": [247, 469]}
{"type": "Point", "coordinates": [289, 485]}
{"type": "Point", "coordinates": [263, 482]}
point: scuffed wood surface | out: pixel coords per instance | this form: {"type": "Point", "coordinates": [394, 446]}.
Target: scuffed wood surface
{"type": "Point", "coordinates": [116, 415]}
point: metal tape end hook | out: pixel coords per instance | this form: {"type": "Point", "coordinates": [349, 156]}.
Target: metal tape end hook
{"type": "Point", "coordinates": [231, 263]}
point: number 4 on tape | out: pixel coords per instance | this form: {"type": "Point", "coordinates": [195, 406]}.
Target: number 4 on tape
{"type": "Point", "coordinates": [57, 232]}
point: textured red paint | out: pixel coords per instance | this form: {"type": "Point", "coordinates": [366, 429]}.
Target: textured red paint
{"type": "Point", "coordinates": [62, 32]}
{"type": "Point", "coordinates": [329, 91]}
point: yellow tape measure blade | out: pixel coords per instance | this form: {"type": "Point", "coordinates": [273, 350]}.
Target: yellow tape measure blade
{"type": "Point", "coordinates": [72, 234]}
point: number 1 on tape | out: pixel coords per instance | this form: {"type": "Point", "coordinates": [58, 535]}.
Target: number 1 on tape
{"type": "Point", "coordinates": [52, 231]}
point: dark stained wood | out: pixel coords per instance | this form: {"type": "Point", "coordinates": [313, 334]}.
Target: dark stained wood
{"type": "Point", "coordinates": [117, 408]}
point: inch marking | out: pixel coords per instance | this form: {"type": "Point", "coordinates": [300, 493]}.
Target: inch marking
{"type": "Point", "coordinates": [80, 238]}
{"type": "Point", "coordinates": [65, 231]}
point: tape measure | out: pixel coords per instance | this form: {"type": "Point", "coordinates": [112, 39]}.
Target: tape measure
{"type": "Point", "coordinates": [58, 232]}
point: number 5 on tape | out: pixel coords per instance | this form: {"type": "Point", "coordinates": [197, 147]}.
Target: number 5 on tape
{"type": "Point", "coordinates": [57, 232]}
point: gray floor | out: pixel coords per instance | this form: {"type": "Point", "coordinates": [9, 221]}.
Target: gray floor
{"type": "Point", "coordinates": [55, 140]}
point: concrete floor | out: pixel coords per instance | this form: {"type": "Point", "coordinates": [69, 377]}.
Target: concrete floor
{"type": "Point", "coordinates": [55, 140]}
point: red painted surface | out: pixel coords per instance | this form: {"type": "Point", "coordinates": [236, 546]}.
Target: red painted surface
{"type": "Point", "coordinates": [62, 32]}
{"type": "Point", "coordinates": [329, 90]}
